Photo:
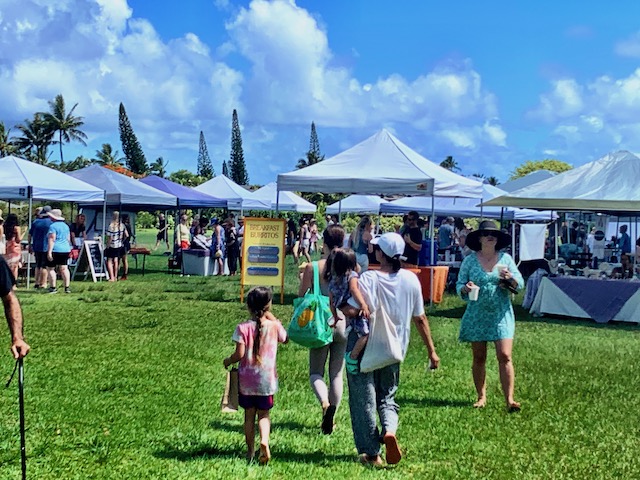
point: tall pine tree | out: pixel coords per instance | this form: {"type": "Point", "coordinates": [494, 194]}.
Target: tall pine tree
{"type": "Point", "coordinates": [205, 167]}
{"type": "Point", "coordinates": [225, 169]}
{"type": "Point", "coordinates": [236, 162]}
{"type": "Point", "coordinates": [313, 156]}
{"type": "Point", "coordinates": [136, 161]}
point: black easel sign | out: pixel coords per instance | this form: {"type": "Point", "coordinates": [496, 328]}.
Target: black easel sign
{"type": "Point", "coordinates": [91, 261]}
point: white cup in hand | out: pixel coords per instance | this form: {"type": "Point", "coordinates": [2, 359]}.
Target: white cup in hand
{"type": "Point", "coordinates": [473, 293]}
{"type": "Point", "coordinates": [500, 267]}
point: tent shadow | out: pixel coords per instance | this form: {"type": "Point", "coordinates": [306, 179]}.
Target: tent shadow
{"type": "Point", "coordinates": [235, 425]}
{"type": "Point", "coordinates": [580, 322]}
{"type": "Point", "coordinates": [450, 313]}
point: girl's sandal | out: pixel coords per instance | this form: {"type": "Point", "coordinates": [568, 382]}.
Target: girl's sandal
{"type": "Point", "coordinates": [265, 454]}
{"type": "Point", "coordinates": [514, 407]}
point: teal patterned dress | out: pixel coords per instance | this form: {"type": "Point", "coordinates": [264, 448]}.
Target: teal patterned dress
{"type": "Point", "coordinates": [490, 318]}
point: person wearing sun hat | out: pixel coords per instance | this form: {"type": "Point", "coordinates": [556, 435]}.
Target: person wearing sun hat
{"type": "Point", "coordinates": [398, 291]}
{"type": "Point", "coordinates": [58, 248]}
{"type": "Point", "coordinates": [490, 318]}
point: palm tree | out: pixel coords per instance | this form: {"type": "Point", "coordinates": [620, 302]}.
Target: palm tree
{"type": "Point", "coordinates": [493, 181]}
{"type": "Point", "coordinates": [159, 167]}
{"type": "Point", "coordinates": [450, 164]}
{"type": "Point", "coordinates": [66, 124]}
{"type": "Point", "coordinates": [35, 140]}
{"type": "Point", "coordinates": [7, 145]}
{"type": "Point", "coordinates": [77, 164]}
{"type": "Point", "coordinates": [107, 157]}
{"type": "Point", "coordinates": [312, 158]}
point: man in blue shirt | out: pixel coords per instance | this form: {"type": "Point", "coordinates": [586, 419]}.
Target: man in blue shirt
{"type": "Point", "coordinates": [38, 240]}
{"type": "Point", "coordinates": [624, 242]}
{"type": "Point", "coordinates": [445, 234]}
{"type": "Point", "coordinates": [58, 248]}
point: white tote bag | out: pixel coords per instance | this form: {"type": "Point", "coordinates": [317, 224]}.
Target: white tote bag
{"type": "Point", "coordinates": [383, 346]}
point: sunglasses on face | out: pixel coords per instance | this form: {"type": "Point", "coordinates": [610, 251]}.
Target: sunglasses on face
{"type": "Point", "coordinates": [489, 234]}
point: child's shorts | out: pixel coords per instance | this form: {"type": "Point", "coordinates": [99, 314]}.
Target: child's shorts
{"type": "Point", "coordinates": [260, 402]}
{"type": "Point", "coordinates": [360, 325]}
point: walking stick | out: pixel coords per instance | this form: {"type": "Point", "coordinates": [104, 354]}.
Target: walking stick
{"type": "Point", "coordinates": [23, 450]}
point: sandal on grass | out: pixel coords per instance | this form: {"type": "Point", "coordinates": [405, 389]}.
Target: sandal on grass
{"type": "Point", "coordinates": [265, 454]}
{"type": "Point", "coordinates": [327, 420]}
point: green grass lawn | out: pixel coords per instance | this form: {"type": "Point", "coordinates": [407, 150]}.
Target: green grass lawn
{"type": "Point", "coordinates": [124, 382]}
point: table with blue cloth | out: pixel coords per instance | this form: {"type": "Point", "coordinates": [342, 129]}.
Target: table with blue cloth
{"type": "Point", "coordinates": [600, 300]}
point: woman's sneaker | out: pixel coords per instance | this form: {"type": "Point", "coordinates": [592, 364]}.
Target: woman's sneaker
{"type": "Point", "coordinates": [67, 289]}
{"type": "Point", "coordinates": [53, 290]}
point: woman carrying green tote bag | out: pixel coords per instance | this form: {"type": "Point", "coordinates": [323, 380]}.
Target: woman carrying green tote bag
{"type": "Point", "coordinates": [309, 325]}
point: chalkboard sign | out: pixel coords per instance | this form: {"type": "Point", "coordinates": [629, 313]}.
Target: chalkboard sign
{"type": "Point", "coordinates": [91, 260]}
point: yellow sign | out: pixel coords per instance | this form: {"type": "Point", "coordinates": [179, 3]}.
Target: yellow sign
{"type": "Point", "coordinates": [263, 253]}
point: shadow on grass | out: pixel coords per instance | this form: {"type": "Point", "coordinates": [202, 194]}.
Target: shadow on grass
{"type": "Point", "coordinates": [524, 316]}
{"type": "Point", "coordinates": [433, 402]}
{"type": "Point", "coordinates": [214, 452]}
{"type": "Point", "coordinates": [449, 313]}
{"type": "Point", "coordinates": [234, 427]}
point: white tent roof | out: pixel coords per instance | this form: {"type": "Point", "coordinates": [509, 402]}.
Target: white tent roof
{"type": "Point", "coordinates": [357, 204]}
{"type": "Point", "coordinates": [464, 207]}
{"type": "Point", "coordinates": [288, 200]}
{"type": "Point", "coordinates": [380, 164]}
{"type": "Point", "coordinates": [237, 197]}
{"type": "Point", "coordinates": [527, 180]}
{"type": "Point", "coordinates": [609, 184]}
{"type": "Point", "coordinates": [122, 190]}
{"type": "Point", "coordinates": [21, 179]}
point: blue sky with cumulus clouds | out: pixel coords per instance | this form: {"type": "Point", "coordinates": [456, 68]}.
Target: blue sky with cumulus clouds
{"type": "Point", "coordinates": [491, 83]}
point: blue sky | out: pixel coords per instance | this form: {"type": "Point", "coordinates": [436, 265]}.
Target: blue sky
{"type": "Point", "coordinates": [491, 83]}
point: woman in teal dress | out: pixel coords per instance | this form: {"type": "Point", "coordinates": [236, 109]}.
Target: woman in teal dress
{"type": "Point", "coordinates": [490, 318]}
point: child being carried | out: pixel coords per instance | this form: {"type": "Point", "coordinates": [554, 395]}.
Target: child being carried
{"type": "Point", "coordinates": [340, 271]}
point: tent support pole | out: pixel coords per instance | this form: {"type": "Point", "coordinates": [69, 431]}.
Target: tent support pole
{"type": "Point", "coordinates": [431, 253]}
{"type": "Point", "coordinates": [28, 253]}
{"type": "Point", "coordinates": [340, 211]}
{"type": "Point", "coordinates": [104, 235]}
{"type": "Point", "coordinates": [277, 199]}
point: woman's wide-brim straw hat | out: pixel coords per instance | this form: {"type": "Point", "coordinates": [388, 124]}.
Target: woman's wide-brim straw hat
{"type": "Point", "coordinates": [487, 226]}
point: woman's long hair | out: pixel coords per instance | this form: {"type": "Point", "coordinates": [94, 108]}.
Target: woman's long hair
{"type": "Point", "coordinates": [10, 225]}
{"type": "Point", "coordinates": [333, 237]}
{"type": "Point", "coordinates": [357, 234]}
{"type": "Point", "coordinates": [115, 221]}
{"type": "Point", "coordinates": [258, 300]}
{"type": "Point", "coordinates": [396, 265]}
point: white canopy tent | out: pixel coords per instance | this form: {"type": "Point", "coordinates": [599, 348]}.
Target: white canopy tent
{"type": "Point", "coordinates": [465, 207]}
{"type": "Point", "coordinates": [381, 164]}
{"type": "Point", "coordinates": [24, 180]}
{"type": "Point", "coordinates": [237, 197]}
{"type": "Point", "coordinates": [357, 204]}
{"type": "Point", "coordinates": [609, 184]}
{"type": "Point", "coordinates": [286, 201]}
{"type": "Point", "coordinates": [527, 180]}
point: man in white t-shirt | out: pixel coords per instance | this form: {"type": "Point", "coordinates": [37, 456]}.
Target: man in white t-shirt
{"type": "Point", "coordinates": [400, 294]}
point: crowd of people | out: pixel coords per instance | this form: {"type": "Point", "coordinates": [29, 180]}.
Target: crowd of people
{"type": "Point", "coordinates": [222, 238]}
{"type": "Point", "coordinates": [487, 277]}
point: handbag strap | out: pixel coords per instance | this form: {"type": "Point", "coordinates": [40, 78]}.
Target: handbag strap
{"type": "Point", "coordinates": [316, 279]}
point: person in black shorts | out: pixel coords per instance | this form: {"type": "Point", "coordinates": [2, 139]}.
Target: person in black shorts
{"type": "Point", "coordinates": [12, 311]}
{"type": "Point", "coordinates": [163, 232]}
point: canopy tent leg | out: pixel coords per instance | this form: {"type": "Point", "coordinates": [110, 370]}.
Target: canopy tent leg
{"type": "Point", "coordinates": [28, 252]}
{"type": "Point", "coordinates": [432, 253]}
{"type": "Point", "coordinates": [340, 211]}
{"type": "Point", "coordinates": [104, 236]}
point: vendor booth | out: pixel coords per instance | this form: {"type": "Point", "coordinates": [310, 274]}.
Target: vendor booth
{"type": "Point", "coordinates": [237, 197]}
{"type": "Point", "coordinates": [23, 180]}
{"type": "Point", "coordinates": [381, 164]}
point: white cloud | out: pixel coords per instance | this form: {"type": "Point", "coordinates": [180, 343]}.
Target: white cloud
{"type": "Point", "coordinates": [629, 47]}
{"type": "Point", "coordinates": [96, 53]}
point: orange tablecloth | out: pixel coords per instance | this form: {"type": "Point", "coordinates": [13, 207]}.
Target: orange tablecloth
{"type": "Point", "coordinates": [440, 275]}
{"type": "Point", "coordinates": [439, 282]}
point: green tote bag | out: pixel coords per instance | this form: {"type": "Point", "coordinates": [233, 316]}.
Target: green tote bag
{"type": "Point", "coordinates": [309, 325]}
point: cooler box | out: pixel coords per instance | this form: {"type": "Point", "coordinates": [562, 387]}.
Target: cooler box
{"type": "Point", "coordinates": [439, 282]}
{"type": "Point", "coordinates": [195, 262]}
{"type": "Point", "coordinates": [424, 259]}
